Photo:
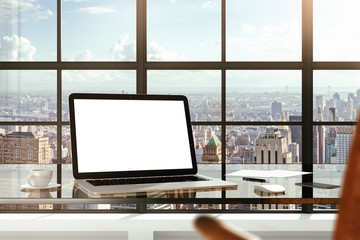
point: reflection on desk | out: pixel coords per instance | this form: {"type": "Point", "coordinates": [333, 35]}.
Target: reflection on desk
{"type": "Point", "coordinates": [40, 193]}
{"type": "Point", "coordinates": [178, 193]}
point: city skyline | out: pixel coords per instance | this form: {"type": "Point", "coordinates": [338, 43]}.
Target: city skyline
{"type": "Point", "coordinates": [207, 108]}
{"type": "Point", "coordinates": [44, 106]}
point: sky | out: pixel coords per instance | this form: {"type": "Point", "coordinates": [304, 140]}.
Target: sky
{"type": "Point", "coordinates": [180, 30]}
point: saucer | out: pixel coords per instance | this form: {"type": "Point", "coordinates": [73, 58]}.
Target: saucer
{"type": "Point", "coordinates": [29, 187]}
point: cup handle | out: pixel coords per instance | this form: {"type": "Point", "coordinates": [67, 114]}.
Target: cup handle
{"type": "Point", "coordinates": [29, 180]}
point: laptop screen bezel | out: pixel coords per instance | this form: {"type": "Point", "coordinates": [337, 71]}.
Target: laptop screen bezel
{"type": "Point", "coordinates": [115, 174]}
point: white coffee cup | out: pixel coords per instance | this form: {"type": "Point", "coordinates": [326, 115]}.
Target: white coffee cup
{"type": "Point", "coordinates": [39, 177]}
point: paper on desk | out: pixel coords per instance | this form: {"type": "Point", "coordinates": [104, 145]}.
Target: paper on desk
{"type": "Point", "coordinates": [267, 173]}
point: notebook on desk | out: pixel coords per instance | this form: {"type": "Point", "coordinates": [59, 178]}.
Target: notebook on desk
{"type": "Point", "coordinates": [134, 143]}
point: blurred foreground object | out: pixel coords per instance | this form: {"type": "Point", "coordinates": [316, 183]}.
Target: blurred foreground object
{"type": "Point", "coordinates": [348, 221]}
{"type": "Point", "coordinates": [213, 229]}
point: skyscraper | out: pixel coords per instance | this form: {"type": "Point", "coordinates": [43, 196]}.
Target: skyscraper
{"type": "Point", "coordinates": [318, 140]}
{"type": "Point", "coordinates": [350, 115]}
{"type": "Point", "coordinates": [272, 148]}
{"type": "Point", "coordinates": [320, 101]}
{"type": "Point", "coordinates": [296, 133]}
{"type": "Point", "coordinates": [294, 149]}
{"type": "Point", "coordinates": [276, 110]}
{"type": "Point", "coordinates": [330, 146]}
{"type": "Point", "coordinates": [332, 114]}
{"type": "Point", "coordinates": [285, 131]}
{"type": "Point", "coordinates": [343, 143]}
{"type": "Point", "coordinates": [336, 96]}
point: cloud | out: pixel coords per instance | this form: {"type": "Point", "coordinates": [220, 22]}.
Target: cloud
{"type": "Point", "coordinates": [209, 4]}
{"type": "Point", "coordinates": [15, 48]}
{"type": "Point", "coordinates": [124, 50]}
{"type": "Point", "coordinates": [157, 52]}
{"type": "Point", "coordinates": [88, 76]}
{"type": "Point", "coordinates": [79, 56]}
{"type": "Point", "coordinates": [99, 81]}
{"type": "Point", "coordinates": [268, 42]}
{"type": "Point", "coordinates": [95, 10]}
{"type": "Point", "coordinates": [9, 11]}
{"type": "Point", "coordinates": [248, 28]}
{"type": "Point", "coordinates": [336, 34]}
{"type": "Point", "coordinates": [43, 15]}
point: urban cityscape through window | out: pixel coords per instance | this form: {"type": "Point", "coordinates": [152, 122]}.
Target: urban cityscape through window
{"type": "Point", "coordinates": [263, 94]}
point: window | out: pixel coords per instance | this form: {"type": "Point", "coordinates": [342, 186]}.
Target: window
{"type": "Point", "coordinates": [270, 84]}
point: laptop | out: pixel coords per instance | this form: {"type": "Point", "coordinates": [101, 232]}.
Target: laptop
{"type": "Point", "coordinates": [124, 143]}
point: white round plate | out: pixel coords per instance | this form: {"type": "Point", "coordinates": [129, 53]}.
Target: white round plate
{"type": "Point", "coordinates": [51, 185]}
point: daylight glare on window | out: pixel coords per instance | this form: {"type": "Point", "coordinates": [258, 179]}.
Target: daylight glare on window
{"type": "Point", "coordinates": [269, 88]}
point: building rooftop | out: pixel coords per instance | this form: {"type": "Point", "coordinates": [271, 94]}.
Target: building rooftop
{"type": "Point", "coordinates": [214, 141]}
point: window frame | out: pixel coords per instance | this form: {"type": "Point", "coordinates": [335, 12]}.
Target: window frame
{"type": "Point", "coordinates": [141, 66]}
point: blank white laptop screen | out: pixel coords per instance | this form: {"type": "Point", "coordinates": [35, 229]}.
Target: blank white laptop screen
{"type": "Point", "coordinates": [131, 135]}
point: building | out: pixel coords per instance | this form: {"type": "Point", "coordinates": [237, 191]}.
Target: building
{"type": "Point", "coordinates": [296, 133]}
{"type": "Point", "coordinates": [24, 147]}
{"type": "Point", "coordinates": [272, 148]}
{"type": "Point", "coordinates": [276, 110]}
{"type": "Point", "coordinates": [294, 149]}
{"type": "Point", "coordinates": [212, 151]}
{"type": "Point", "coordinates": [330, 146]}
{"type": "Point", "coordinates": [343, 143]}
{"type": "Point", "coordinates": [319, 140]}
{"type": "Point", "coordinates": [285, 131]}
{"type": "Point", "coordinates": [336, 96]}
{"type": "Point", "coordinates": [194, 48]}
{"type": "Point", "coordinates": [320, 102]}
{"type": "Point", "coordinates": [332, 114]}
{"type": "Point", "coordinates": [204, 134]}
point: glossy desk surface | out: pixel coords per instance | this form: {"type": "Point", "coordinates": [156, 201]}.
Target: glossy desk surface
{"type": "Point", "coordinates": [12, 180]}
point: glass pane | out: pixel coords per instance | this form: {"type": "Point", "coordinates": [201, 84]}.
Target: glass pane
{"type": "Point", "coordinates": [336, 95]}
{"type": "Point", "coordinates": [263, 95]}
{"type": "Point", "coordinates": [27, 95]}
{"type": "Point", "coordinates": [67, 179]}
{"type": "Point", "coordinates": [66, 156]}
{"type": "Point", "coordinates": [101, 207]}
{"type": "Point", "coordinates": [207, 140]}
{"type": "Point", "coordinates": [263, 30]}
{"type": "Point", "coordinates": [26, 207]}
{"type": "Point", "coordinates": [263, 145]}
{"type": "Point", "coordinates": [14, 176]}
{"type": "Point", "coordinates": [99, 30]}
{"type": "Point", "coordinates": [182, 208]}
{"type": "Point", "coordinates": [207, 144]}
{"type": "Point", "coordinates": [28, 144]}
{"type": "Point", "coordinates": [96, 81]}
{"type": "Point", "coordinates": [331, 174]}
{"type": "Point", "coordinates": [202, 88]}
{"type": "Point", "coordinates": [28, 30]}
{"type": "Point", "coordinates": [183, 30]}
{"type": "Point", "coordinates": [252, 207]}
{"type": "Point", "coordinates": [263, 148]}
{"type": "Point", "coordinates": [246, 187]}
{"type": "Point", "coordinates": [331, 146]}
{"type": "Point", "coordinates": [336, 32]}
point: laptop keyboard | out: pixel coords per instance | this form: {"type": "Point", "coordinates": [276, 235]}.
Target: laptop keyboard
{"type": "Point", "coordinates": [124, 181]}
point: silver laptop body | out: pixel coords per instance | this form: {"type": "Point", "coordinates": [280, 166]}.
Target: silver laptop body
{"type": "Point", "coordinates": [122, 136]}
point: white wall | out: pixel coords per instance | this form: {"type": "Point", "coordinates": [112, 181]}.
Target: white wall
{"type": "Point", "coordinates": [159, 226]}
